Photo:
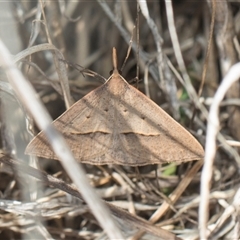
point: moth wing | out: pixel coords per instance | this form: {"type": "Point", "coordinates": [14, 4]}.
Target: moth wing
{"type": "Point", "coordinates": [150, 136]}
{"type": "Point", "coordinates": [84, 126]}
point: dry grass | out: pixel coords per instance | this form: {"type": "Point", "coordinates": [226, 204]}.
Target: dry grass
{"type": "Point", "coordinates": [35, 206]}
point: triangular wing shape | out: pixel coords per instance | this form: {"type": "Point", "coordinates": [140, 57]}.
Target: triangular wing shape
{"type": "Point", "coordinates": [117, 124]}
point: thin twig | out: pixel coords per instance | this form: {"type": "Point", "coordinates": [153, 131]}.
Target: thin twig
{"type": "Point", "coordinates": [166, 80]}
{"type": "Point", "coordinates": [205, 65]}
{"type": "Point", "coordinates": [210, 149]}
{"type": "Point", "coordinates": [60, 66]}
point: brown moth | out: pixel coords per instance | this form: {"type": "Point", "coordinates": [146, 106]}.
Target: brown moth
{"type": "Point", "coordinates": [117, 124]}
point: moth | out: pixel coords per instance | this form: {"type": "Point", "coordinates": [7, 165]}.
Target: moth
{"type": "Point", "coordinates": [117, 124]}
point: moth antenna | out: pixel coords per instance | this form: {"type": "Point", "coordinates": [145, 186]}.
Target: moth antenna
{"type": "Point", "coordinates": [114, 58]}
